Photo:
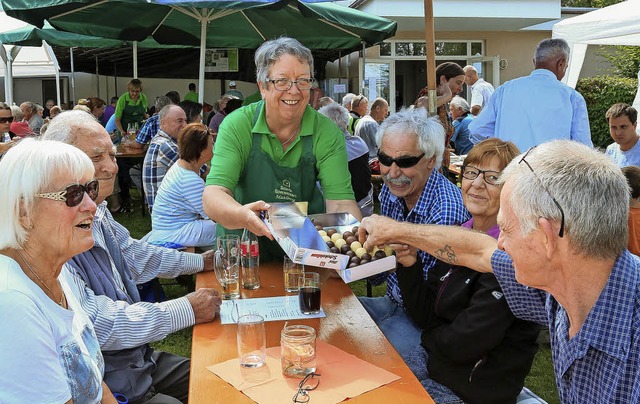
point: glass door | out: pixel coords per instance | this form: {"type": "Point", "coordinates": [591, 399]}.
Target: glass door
{"type": "Point", "coordinates": [488, 68]}
{"type": "Point", "coordinates": [378, 80]}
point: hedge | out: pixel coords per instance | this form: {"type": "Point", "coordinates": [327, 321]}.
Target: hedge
{"type": "Point", "coordinates": [601, 93]}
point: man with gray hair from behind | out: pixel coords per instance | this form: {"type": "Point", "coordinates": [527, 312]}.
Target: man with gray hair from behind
{"type": "Point", "coordinates": [109, 273]}
{"type": "Point", "coordinates": [531, 110]}
{"type": "Point", "coordinates": [358, 156]}
{"type": "Point", "coordinates": [561, 261]}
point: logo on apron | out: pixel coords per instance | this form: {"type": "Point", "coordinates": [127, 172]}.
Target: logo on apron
{"type": "Point", "coordinates": [284, 192]}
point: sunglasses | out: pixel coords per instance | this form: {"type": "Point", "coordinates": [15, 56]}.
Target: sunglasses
{"type": "Point", "coordinates": [8, 119]}
{"type": "Point", "coordinates": [356, 101]}
{"type": "Point", "coordinates": [402, 162]}
{"type": "Point", "coordinates": [73, 194]}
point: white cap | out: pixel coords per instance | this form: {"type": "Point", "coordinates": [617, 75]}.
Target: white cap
{"type": "Point", "coordinates": [232, 84]}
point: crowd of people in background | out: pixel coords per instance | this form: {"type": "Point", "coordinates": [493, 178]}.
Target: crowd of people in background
{"type": "Point", "coordinates": [528, 175]}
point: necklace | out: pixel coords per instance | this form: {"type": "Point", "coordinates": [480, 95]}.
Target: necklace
{"type": "Point", "coordinates": [40, 279]}
{"type": "Point", "coordinates": [292, 136]}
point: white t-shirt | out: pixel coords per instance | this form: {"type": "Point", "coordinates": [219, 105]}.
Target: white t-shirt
{"type": "Point", "coordinates": [481, 91]}
{"type": "Point", "coordinates": [49, 354]}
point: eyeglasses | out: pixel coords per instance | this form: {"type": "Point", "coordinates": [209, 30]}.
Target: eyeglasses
{"type": "Point", "coordinates": [285, 84]}
{"type": "Point", "coordinates": [307, 384]}
{"type": "Point", "coordinates": [7, 119]}
{"type": "Point", "coordinates": [471, 173]}
{"type": "Point", "coordinates": [73, 194]}
{"type": "Point", "coordinates": [402, 162]}
{"type": "Point", "coordinates": [522, 160]}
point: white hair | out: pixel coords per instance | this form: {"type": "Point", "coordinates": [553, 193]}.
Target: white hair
{"type": "Point", "coordinates": [346, 100]}
{"type": "Point", "coordinates": [337, 114]}
{"type": "Point", "coordinates": [63, 127]}
{"type": "Point", "coordinates": [415, 121]}
{"type": "Point", "coordinates": [270, 52]}
{"type": "Point", "coordinates": [550, 49]}
{"type": "Point", "coordinates": [459, 102]}
{"type": "Point", "coordinates": [590, 188]}
{"type": "Point", "coordinates": [29, 168]}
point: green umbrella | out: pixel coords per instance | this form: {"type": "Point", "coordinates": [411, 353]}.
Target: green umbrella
{"type": "Point", "coordinates": [238, 24]}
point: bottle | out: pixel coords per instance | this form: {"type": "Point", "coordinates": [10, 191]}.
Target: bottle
{"type": "Point", "coordinates": [250, 256]}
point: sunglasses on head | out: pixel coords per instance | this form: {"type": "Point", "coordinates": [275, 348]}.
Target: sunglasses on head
{"type": "Point", "coordinates": [73, 194]}
{"type": "Point", "coordinates": [402, 162]}
{"type": "Point", "coordinates": [7, 119]}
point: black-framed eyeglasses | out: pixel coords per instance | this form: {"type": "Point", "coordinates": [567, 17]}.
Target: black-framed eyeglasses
{"type": "Point", "coordinates": [310, 382]}
{"type": "Point", "coordinates": [73, 194]}
{"type": "Point", "coordinates": [7, 119]}
{"type": "Point", "coordinates": [285, 84]}
{"type": "Point", "coordinates": [522, 160]}
{"type": "Point", "coordinates": [489, 176]}
{"type": "Point", "coordinates": [402, 162]}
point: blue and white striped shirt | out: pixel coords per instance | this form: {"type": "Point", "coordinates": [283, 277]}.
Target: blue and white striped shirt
{"type": "Point", "coordinates": [439, 203]}
{"type": "Point", "coordinates": [121, 324]}
{"type": "Point", "coordinates": [601, 363]}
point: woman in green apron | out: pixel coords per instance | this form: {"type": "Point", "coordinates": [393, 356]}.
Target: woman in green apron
{"type": "Point", "coordinates": [131, 108]}
{"type": "Point", "coordinates": [278, 150]}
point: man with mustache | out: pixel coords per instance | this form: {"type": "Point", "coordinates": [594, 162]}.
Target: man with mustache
{"type": "Point", "coordinates": [410, 149]}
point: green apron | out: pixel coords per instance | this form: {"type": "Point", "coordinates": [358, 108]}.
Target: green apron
{"type": "Point", "coordinates": [132, 114]}
{"type": "Point", "coordinates": [263, 179]}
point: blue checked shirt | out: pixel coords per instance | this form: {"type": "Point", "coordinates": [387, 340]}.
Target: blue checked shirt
{"type": "Point", "coordinates": [601, 363]}
{"type": "Point", "coordinates": [439, 203]}
{"type": "Point", "coordinates": [148, 130]}
{"type": "Point", "coordinates": [128, 324]}
{"type": "Point", "coordinates": [162, 153]}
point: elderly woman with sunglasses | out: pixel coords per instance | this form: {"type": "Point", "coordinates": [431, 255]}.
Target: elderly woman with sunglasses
{"type": "Point", "coordinates": [276, 150]}
{"type": "Point", "coordinates": [178, 216]}
{"type": "Point", "coordinates": [471, 341]}
{"type": "Point", "coordinates": [49, 349]}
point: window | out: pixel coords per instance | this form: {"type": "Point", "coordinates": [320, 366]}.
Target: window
{"type": "Point", "coordinates": [418, 49]}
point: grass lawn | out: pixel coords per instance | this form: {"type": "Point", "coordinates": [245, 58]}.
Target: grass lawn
{"type": "Point", "coordinates": [541, 379]}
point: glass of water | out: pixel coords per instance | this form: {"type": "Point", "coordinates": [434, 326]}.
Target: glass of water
{"type": "Point", "coordinates": [252, 341]}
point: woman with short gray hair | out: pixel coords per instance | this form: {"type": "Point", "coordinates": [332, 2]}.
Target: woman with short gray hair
{"type": "Point", "coordinates": [277, 149]}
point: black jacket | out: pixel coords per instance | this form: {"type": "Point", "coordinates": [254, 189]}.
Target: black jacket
{"type": "Point", "coordinates": [476, 346]}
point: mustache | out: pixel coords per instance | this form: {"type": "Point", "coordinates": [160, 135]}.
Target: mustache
{"type": "Point", "coordinates": [401, 180]}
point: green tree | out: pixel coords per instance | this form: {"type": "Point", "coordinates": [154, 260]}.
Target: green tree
{"type": "Point", "coordinates": [624, 59]}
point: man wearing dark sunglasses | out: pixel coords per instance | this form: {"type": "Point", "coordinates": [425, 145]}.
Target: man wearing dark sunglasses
{"type": "Point", "coordinates": [109, 274]}
{"type": "Point", "coordinates": [410, 152]}
{"type": "Point", "coordinates": [561, 260]}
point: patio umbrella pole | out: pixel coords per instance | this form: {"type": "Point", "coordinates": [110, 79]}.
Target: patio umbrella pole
{"type": "Point", "coordinates": [135, 59]}
{"type": "Point", "coordinates": [431, 55]}
{"type": "Point", "coordinates": [203, 49]}
{"type": "Point", "coordinates": [56, 67]}
{"type": "Point", "coordinates": [364, 69]}
{"type": "Point", "coordinates": [98, 77]}
{"type": "Point", "coordinates": [73, 76]}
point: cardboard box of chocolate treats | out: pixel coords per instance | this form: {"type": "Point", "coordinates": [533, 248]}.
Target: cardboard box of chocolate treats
{"type": "Point", "coordinates": [326, 241]}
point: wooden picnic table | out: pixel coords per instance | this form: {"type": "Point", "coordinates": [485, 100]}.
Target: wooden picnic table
{"type": "Point", "coordinates": [346, 326]}
{"type": "Point", "coordinates": [130, 152]}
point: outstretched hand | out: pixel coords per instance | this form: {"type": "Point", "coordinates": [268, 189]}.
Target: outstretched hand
{"type": "Point", "coordinates": [372, 231]}
{"type": "Point", "coordinates": [251, 212]}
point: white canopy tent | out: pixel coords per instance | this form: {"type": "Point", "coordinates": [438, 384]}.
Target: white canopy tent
{"type": "Point", "coordinates": [618, 24]}
{"type": "Point", "coordinates": [25, 61]}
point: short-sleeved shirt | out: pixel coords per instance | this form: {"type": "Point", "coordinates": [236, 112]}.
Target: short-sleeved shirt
{"type": "Point", "coordinates": [439, 203]}
{"type": "Point", "coordinates": [481, 92]}
{"type": "Point", "coordinates": [601, 363]}
{"type": "Point", "coordinates": [630, 157]}
{"type": "Point", "coordinates": [191, 96]}
{"type": "Point", "coordinates": [126, 99]}
{"type": "Point", "coordinates": [49, 354]}
{"type": "Point", "coordinates": [234, 144]}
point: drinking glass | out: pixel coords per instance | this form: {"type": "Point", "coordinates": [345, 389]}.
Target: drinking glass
{"type": "Point", "coordinates": [298, 350]}
{"type": "Point", "coordinates": [252, 341]}
{"type": "Point", "coordinates": [292, 274]}
{"type": "Point", "coordinates": [309, 294]}
{"type": "Point", "coordinates": [227, 259]}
